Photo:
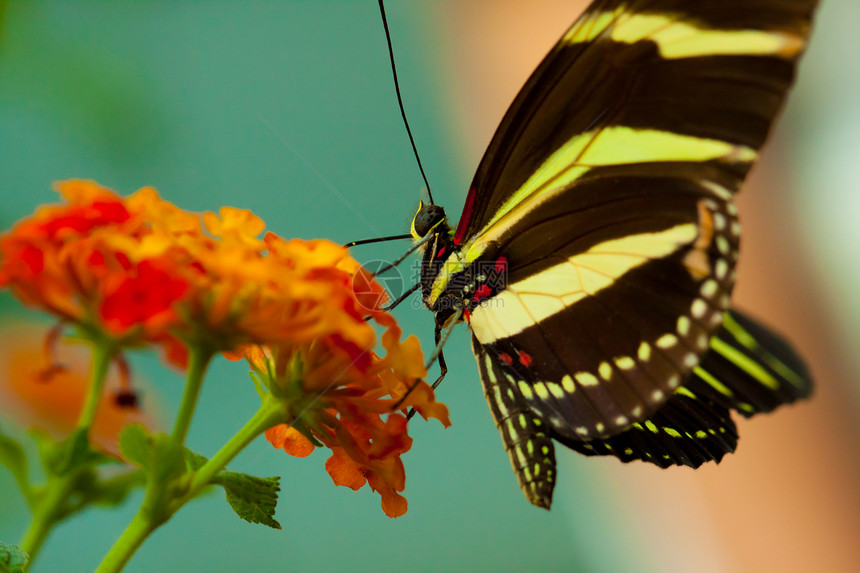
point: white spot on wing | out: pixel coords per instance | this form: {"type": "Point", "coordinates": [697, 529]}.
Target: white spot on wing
{"type": "Point", "coordinates": [683, 326]}
{"type": "Point", "coordinates": [667, 341]}
{"type": "Point", "coordinates": [586, 378]}
{"type": "Point", "coordinates": [699, 308]}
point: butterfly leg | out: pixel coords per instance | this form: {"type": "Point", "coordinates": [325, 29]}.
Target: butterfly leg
{"type": "Point", "coordinates": [440, 338]}
{"type": "Point", "coordinates": [402, 297]}
{"type": "Point", "coordinates": [417, 245]}
{"type": "Point", "coordinates": [443, 368]}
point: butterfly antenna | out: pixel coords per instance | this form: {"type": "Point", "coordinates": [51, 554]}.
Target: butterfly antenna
{"type": "Point", "coordinates": [400, 100]}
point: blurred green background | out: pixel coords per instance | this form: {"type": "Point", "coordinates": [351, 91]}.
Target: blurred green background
{"type": "Point", "coordinates": [288, 109]}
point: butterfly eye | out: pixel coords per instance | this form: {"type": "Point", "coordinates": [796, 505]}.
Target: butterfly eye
{"type": "Point", "coordinates": [427, 217]}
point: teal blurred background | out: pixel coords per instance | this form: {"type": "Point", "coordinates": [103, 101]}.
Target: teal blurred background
{"type": "Point", "coordinates": [287, 109]}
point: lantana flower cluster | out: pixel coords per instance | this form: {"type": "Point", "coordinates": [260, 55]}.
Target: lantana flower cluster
{"type": "Point", "coordinates": [140, 271]}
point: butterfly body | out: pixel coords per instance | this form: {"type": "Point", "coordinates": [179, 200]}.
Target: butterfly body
{"type": "Point", "coordinates": [595, 257]}
{"type": "Point", "coordinates": [449, 281]}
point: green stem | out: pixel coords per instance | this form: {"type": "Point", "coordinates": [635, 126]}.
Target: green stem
{"type": "Point", "coordinates": [49, 509]}
{"type": "Point", "coordinates": [103, 353]}
{"type": "Point", "coordinates": [155, 508]}
{"type": "Point", "coordinates": [47, 513]}
{"type": "Point", "coordinates": [271, 413]}
{"type": "Point", "coordinates": [130, 540]}
{"type": "Point", "coordinates": [198, 361]}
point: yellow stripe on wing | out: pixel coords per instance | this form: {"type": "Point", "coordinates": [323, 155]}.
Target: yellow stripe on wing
{"type": "Point", "coordinates": [677, 39]}
{"type": "Point", "coordinates": [620, 145]}
{"type": "Point", "coordinates": [745, 363]}
{"type": "Point", "coordinates": [591, 25]}
{"type": "Point", "coordinates": [616, 145]}
{"type": "Point", "coordinates": [749, 342]}
{"type": "Point", "coordinates": [541, 295]}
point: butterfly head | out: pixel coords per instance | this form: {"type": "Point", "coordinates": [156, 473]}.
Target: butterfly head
{"type": "Point", "coordinates": [427, 219]}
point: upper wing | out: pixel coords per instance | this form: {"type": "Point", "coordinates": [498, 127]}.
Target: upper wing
{"type": "Point", "coordinates": [638, 82]}
{"type": "Point", "coordinates": [606, 196]}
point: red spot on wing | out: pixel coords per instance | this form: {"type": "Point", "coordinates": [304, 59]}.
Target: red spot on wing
{"type": "Point", "coordinates": [466, 216]}
{"type": "Point", "coordinates": [501, 264]}
{"type": "Point", "coordinates": [482, 292]}
{"type": "Point", "coordinates": [441, 252]}
{"type": "Point", "coordinates": [525, 358]}
{"type": "Point", "coordinates": [506, 358]}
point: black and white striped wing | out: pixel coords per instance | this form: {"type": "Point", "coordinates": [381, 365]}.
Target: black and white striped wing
{"type": "Point", "coordinates": [747, 369]}
{"type": "Point", "coordinates": [606, 197]}
{"type": "Point", "coordinates": [639, 87]}
{"type": "Point", "coordinates": [610, 183]}
{"type": "Point", "coordinates": [527, 438]}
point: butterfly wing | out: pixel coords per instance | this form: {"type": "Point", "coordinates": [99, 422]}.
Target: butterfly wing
{"type": "Point", "coordinates": [689, 71]}
{"type": "Point", "coordinates": [527, 439]}
{"type": "Point", "coordinates": [747, 369]}
{"type": "Point", "coordinates": [606, 195]}
{"type": "Point", "coordinates": [688, 430]}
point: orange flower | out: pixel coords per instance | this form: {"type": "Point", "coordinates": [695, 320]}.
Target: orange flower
{"type": "Point", "coordinates": [338, 391]}
{"type": "Point", "coordinates": [141, 270]}
{"type": "Point", "coordinates": [343, 401]}
{"type": "Point", "coordinates": [36, 393]}
{"type": "Point", "coordinates": [91, 262]}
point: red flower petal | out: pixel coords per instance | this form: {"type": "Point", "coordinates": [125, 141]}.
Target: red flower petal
{"type": "Point", "coordinates": [142, 297]}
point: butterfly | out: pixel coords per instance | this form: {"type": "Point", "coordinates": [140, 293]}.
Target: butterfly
{"type": "Point", "coordinates": [596, 254]}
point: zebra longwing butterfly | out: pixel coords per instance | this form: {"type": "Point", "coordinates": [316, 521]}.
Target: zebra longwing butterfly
{"type": "Point", "coordinates": [595, 257]}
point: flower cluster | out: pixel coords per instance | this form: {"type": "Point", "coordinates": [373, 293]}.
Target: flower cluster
{"type": "Point", "coordinates": [339, 397]}
{"type": "Point", "coordinates": [103, 263]}
{"type": "Point", "coordinates": [140, 271]}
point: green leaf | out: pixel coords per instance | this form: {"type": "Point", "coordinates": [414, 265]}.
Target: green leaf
{"type": "Point", "coordinates": [13, 457]}
{"type": "Point", "coordinates": [90, 488]}
{"type": "Point", "coordinates": [168, 459]}
{"type": "Point", "coordinates": [116, 489]}
{"type": "Point", "coordinates": [70, 452]}
{"type": "Point", "coordinates": [135, 443]}
{"type": "Point", "coordinates": [252, 498]}
{"type": "Point", "coordinates": [12, 559]}
{"type": "Point", "coordinates": [157, 454]}
{"type": "Point", "coordinates": [73, 453]}
{"type": "Point", "coordinates": [162, 461]}
{"type": "Point", "coordinates": [45, 445]}
{"type": "Point", "coordinates": [194, 461]}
